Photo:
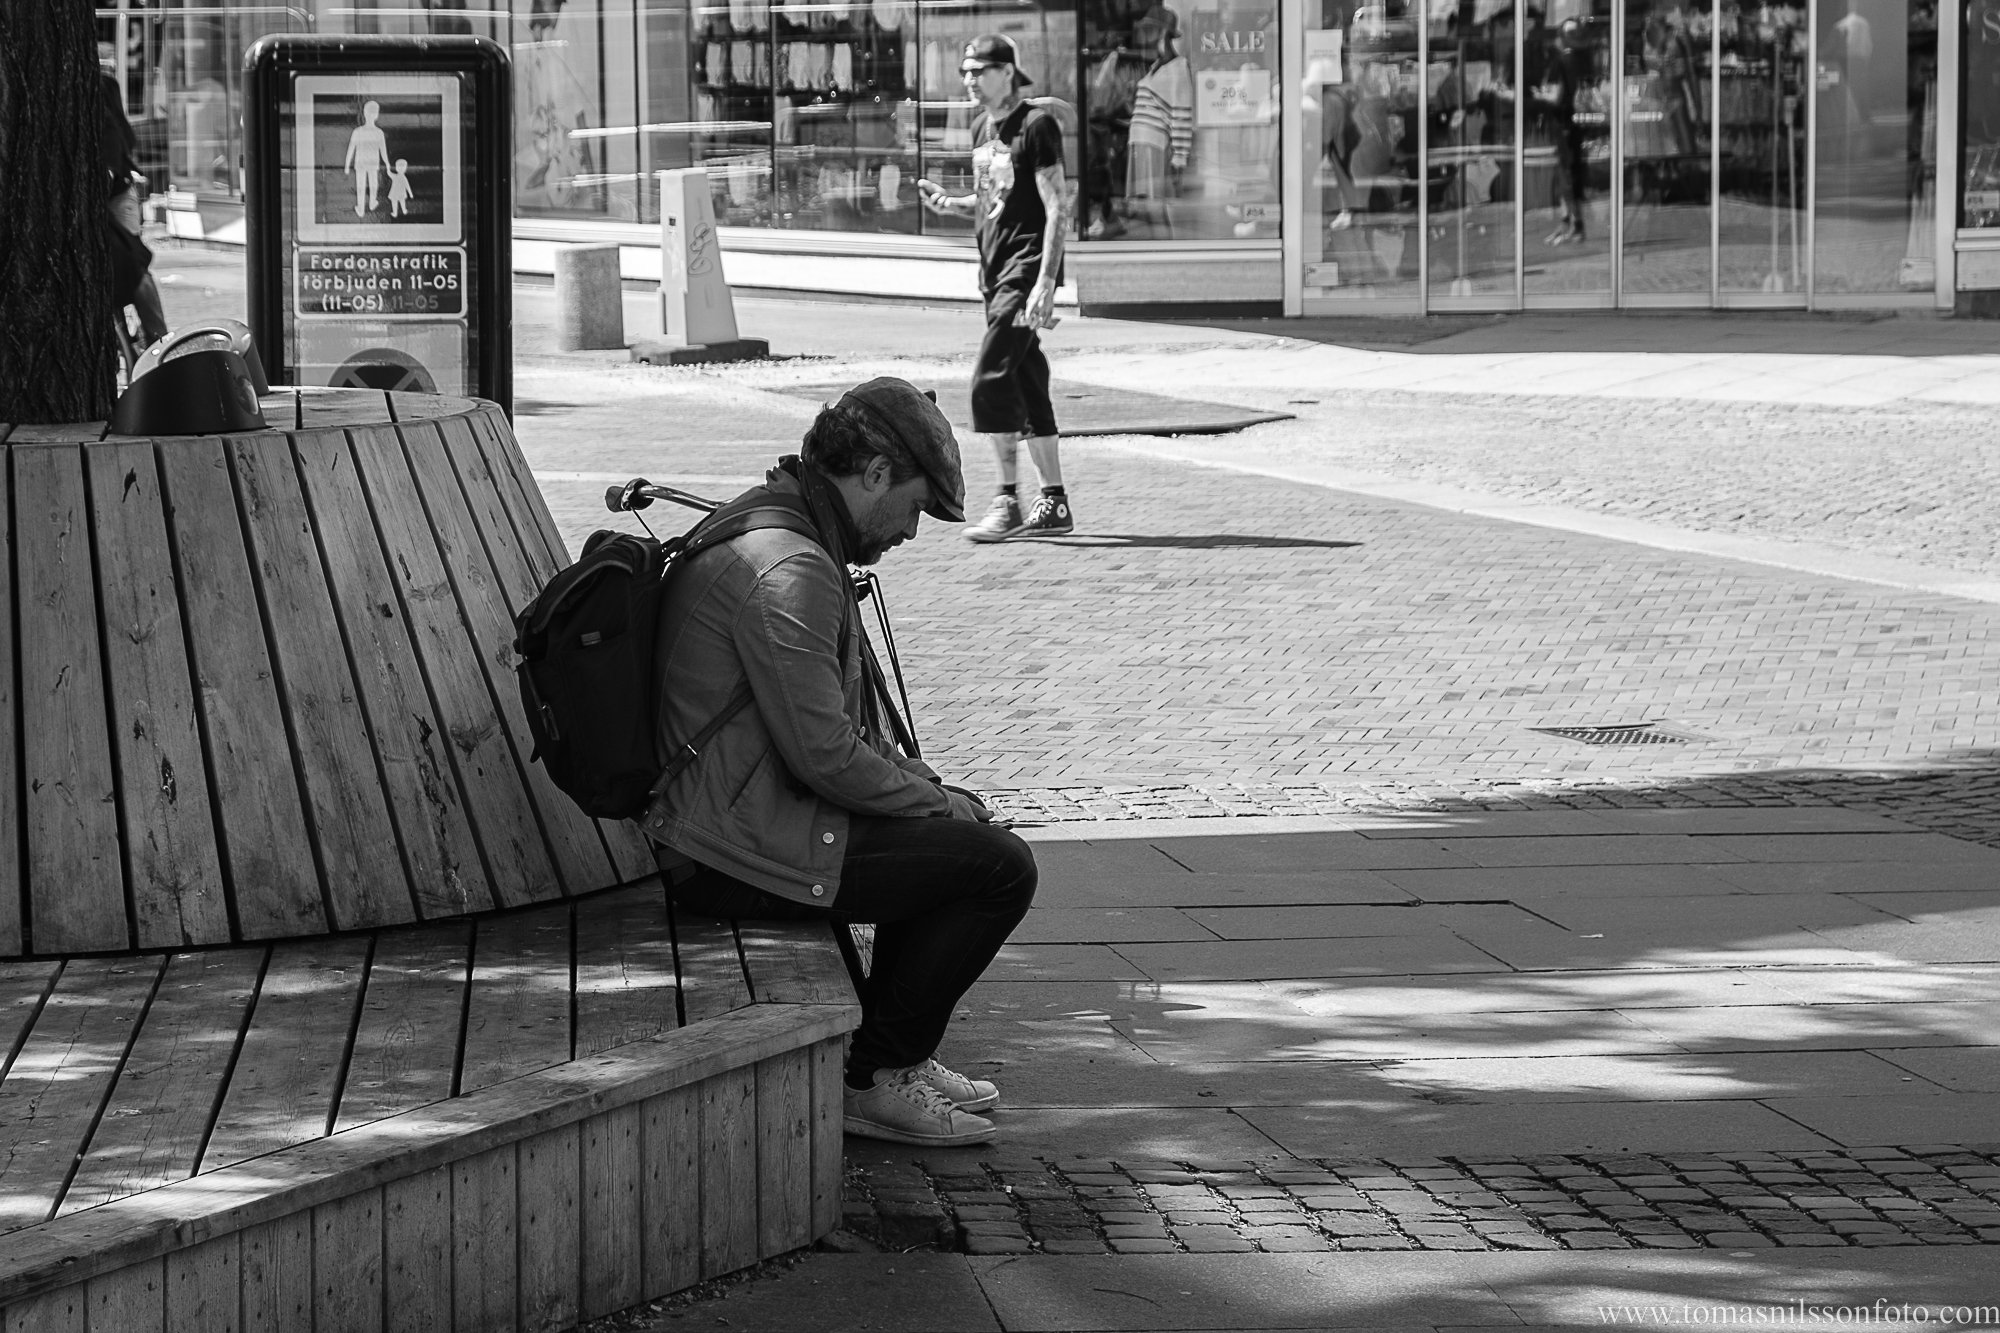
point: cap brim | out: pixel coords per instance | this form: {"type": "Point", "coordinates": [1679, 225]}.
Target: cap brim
{"type": "Point", "coordinates": [941, 509]}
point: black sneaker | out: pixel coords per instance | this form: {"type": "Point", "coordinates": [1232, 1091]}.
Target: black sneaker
{"type": "Point", "coordinates": [1049, 518]}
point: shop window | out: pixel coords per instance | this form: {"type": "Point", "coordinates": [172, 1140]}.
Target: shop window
{"type": "Point", "coordinates": [1044, 36]}
{"type": "Point", "coordinates": [1180, 118]}
{"type": "Point", "coordinates": [1875, 72]}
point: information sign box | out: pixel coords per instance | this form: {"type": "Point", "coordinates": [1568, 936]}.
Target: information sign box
{"type": "Point", "coordinates": [379, 212]}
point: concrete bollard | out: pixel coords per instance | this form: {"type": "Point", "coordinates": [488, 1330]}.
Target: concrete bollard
{"type": "Point", "coordinates": [590, 300]}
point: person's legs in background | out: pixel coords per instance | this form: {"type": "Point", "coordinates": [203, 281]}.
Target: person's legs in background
{"type": "Point", "coordinates": [1011, 404]}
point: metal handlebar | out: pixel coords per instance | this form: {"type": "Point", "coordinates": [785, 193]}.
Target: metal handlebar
{"type": "Point", "coordinates": [638, 493]}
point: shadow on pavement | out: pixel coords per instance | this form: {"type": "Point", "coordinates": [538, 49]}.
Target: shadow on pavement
{"type": "Point", "coordinates": [1212, 542]}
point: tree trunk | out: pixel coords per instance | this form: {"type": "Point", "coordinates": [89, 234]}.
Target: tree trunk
{"type": "Point", "coordinates": [56, 342]}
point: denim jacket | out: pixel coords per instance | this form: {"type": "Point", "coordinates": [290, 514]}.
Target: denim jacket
{"type": "Point", "coordinates": [769, 798]}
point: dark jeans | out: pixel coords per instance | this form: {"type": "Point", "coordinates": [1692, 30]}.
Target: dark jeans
{"type": "Point", "coordinates": [1010, 381]}
{"type": "Point", "coordinates": [943, 894]}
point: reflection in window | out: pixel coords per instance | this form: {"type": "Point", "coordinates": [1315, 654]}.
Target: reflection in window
{"type": "Point", "coordinates": [1471, 171]}
{"type": "Point", "coordinates": [1182, 120]}
{"type": "Point", "coordinates": [1876, 75]}
{"type": "Point", "coordinates": [1361, 104]}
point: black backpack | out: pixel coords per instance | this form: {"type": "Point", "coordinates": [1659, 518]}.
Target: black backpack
{"type": "Point", "coordinates": [588, 679]}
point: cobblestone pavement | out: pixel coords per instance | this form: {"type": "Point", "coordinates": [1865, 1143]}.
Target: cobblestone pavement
{"type": "Point", "coordinates": [1912, 481]}
{"type": "Point", "coordinates": [1863, 1197]}
{"type": "Point", "coordinates": [1224, 643]}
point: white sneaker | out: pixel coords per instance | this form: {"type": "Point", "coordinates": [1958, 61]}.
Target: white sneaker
{"type": "Point", "coordinates": [969, 1094]}
{"type": "Point", "coordinates": [1003, 520]}
{"type": "Point", "coordinates": [903, 1108]}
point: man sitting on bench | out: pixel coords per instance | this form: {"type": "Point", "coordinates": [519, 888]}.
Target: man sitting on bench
{"type": "Point", "coordinates": [802, 807]}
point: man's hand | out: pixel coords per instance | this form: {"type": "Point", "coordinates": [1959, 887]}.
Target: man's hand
{"type": "Point", "coordinates": [1041, 309]}
{"type": "Point", "coordinates": [966, 806]}
{"type": "Point", "coordinates": [937, 201]}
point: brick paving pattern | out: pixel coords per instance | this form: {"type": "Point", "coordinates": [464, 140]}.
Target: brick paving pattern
{"type": "Point", "coordinates": [1862, 1197]}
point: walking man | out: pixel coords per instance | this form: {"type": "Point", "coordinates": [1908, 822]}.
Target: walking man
{"type": "Point", "coordinates": [800, 806]}
{"type": "Point", "coordinates": [1019, 208]}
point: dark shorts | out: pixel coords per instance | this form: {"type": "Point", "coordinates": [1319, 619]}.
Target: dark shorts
{"type": "Point", "coordinates": [1010, 381]}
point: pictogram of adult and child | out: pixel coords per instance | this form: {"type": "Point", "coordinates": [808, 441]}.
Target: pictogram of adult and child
{"type": "Point", "coordinates": [368, 161]}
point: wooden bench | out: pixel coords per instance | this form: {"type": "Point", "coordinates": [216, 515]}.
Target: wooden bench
{"type": "Point", "coordinates": [519, 1121]}
{"type": "Point", "coordinates": [431, 1068]}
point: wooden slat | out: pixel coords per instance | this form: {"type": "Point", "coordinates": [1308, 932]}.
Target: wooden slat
{"type": "Point", "coordinates": [280, 407]}
{"type": "Point", "coordinates": [518, 490]}
{"type": "Point", "coordinates": [412, 1014]}
{"type": "Point", "coordinates": [62, 1311]}
{"type": "Point", "coordinates": [416, 1244]}
{"type": "Point", "coordinates": [365, 881]}
{"type": "Point", "coordinates": [10, 750]}
{"type": "Point", "coordinates": [347, 1263]}
{"type": "Point", "coordinates": [22, 988]}
{"type": "Point", "coordinates": [613, 1276]}
{"type": "Point", "coordinates": [52, 1093]}
{"type": "Point", "coordinates": [784, 1152]}
{"type": "Point", "coordinates": [158, 1112]}
{"type": "Point", "coordinates": [75, 878]}
{"type": "Point", "coordinates": [670, 1191]}
{"type": "Point", "coordinates": [484, 1262]}
{"type": "Point", "coordinates": [497, 800]}
{"type": "Point", "coordinates": [424, 406]}
{"type": "Point", "coordinates": [794, 962]}
{"type": "Point", "coordinates": [171, 860]}
{"type": "Point", "coordinates": [728, 1172]}
{"type": "Point", "coordinates": [490, 591]}
{"type": "Point", "coordinates": [624, 968]}
{"type": "Point", "coordinates": [517, 1019]}
{"type": "Point", "coordinates": [328, 409]}
{"type": "Point", "coordinates": [287, 1073]}
{"type": "Point", "coordinates": [276, 1272]}
{"type": "Point", "coordinates": [203, 1290]}
{"type": "Point", "coordinates": [487, 494]}
{"type": "Point", "coordinates": [828, 1108]}
{"type": "Point", "coordinates": [711, 971]}
{"type": "Point", "coordinates": [549, 1166]}
{"type": "Point", "coordinates": [265, 847]}
{"type": "Point", "coordinates": [447, 876]}
{"type": "Point", "coordinates": [132, 1300]}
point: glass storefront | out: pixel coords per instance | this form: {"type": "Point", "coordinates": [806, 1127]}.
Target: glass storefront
{"type": "Point", "coordinates": [1439, 154]}
{"type": "Point", "coordinates": [1507, 154]}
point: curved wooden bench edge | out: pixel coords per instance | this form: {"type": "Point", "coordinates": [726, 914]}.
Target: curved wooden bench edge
{"type": "Point", "coordinates": [53, 1255]}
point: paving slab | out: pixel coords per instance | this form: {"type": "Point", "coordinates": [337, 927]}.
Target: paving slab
{"type": "Point", "coordinates": [1311, 851]}
{"type": "Point", "coordinates": [1866, 877]}
{"type": "Point", "coordinates": [1909, 850]}
{"type": "Point", "coordinates": [1789, 820]}
{"type": "Point", "coordinates": [1072, 886]}
{"type": "Point", "coordinates": [1663, 1078]}
{"type": "Point", "coordinates": [1946, 1117]}
{"type": "Point", "coordinates": [1960, 1068]}
{"type": "Point", "coordinates": [1228, 960]}
{"type": "Point", "coordinates": [1345, 921]}
{"type": "Point", "coordinates": [1822, 1026]}
{"type": "Point", "coordinates": [1608, 849]}
{"type": "Point", "coordinates": [1547, 1127]}
{"type": "Point", "coordinates": [1063, 962]}
{"type": "Point", "coordinates": [1543, 1290]}
{"type": "Point", "coordinates": [1147, 1133]}
{"type": "Point", "coordinates": [846, 1293]}
{"type": "Point", "coordinates": [1416, 998]}
{"type": "Point", "coordinates": [1483, 824]}
{"type": "Point", "coordinates": [1104, 925]}
{"type": "Point", "coordinates": [1588, 881]}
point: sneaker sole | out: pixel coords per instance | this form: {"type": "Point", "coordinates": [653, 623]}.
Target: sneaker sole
{"type": "Point", "coordinates": [978, 1104]}
{"type": "Point", "coordinates": [868, 1129]}
{"type": "Point", "coordinates": [1041, 532]}
{"type": "Point", "coordinates": [988, 535]}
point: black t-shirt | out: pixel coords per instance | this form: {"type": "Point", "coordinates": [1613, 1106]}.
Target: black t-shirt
{"type": "Point", "coordinates": [1005, 158]}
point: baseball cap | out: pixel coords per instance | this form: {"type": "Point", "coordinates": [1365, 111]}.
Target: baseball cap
{"type": "Point", "coordinates": [913, 420]}
{"type": "Point", "coordinates": [993, 49]}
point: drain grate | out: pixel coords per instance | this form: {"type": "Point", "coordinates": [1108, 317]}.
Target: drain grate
{"type": "Point", "coordinates": [1641, 733]}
